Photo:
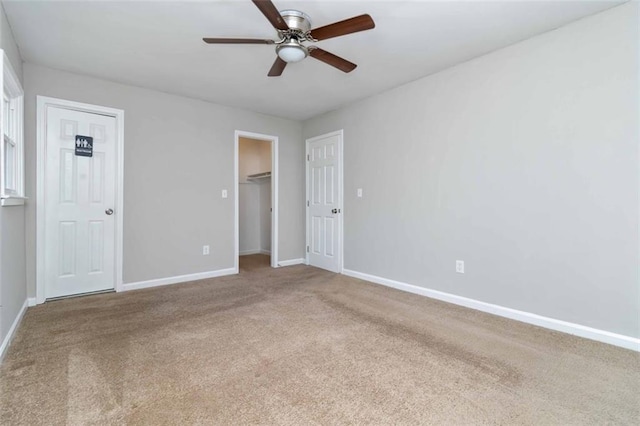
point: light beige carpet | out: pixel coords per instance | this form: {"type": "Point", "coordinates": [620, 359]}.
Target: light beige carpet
{"type": "Point", "coordinates": [298, 346]}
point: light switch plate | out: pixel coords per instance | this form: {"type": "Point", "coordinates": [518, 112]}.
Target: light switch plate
{"type": "Point", "coordinates": [359, 192]}
{"type": "Point", "coordinates": [224, 193]}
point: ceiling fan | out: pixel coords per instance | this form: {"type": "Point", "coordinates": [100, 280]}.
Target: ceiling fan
{"type": "Point", "coordinates": [294, 28]}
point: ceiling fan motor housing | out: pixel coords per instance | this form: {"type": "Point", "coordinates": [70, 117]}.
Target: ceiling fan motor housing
{"type": "Point", "coordinates": [296, 20]}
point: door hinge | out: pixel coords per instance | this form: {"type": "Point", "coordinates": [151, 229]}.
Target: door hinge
{"type": "Point", "coordinates": [307, 249]}
{"type": "Point", "coordinates": [308, 158]}
{"type": "Point", "coordinates": [307, 203]}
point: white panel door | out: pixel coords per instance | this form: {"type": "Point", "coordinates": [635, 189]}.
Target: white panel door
{"type": "Point", "coordinates": [80, 194]}
{"type": "Point", "coordinates": [324, 182]}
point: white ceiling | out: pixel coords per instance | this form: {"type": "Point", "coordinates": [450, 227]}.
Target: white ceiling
{"type": "Point", "coordinates": [158, 45]}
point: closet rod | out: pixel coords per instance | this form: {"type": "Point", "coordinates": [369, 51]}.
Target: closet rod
{"type": "Point", "coordinates": [259, 175]}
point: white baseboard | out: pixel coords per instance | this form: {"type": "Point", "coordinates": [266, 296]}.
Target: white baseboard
{"type": "Point", "coordinates": [177, 279]}
{"type": "Point", "coordinates": [12, 331]}
{"type": "Point", "coordinates": [32, 301]}
{"type": "Point", "coordinates": [527, 317]}
{"type": "Point", "coordinates": [255, 251]}
{"type": "Point", "coordinates": [291, 262]}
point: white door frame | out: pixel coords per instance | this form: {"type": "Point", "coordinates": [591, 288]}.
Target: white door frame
{"type": "Point", "coordinates": [274, 195]}
{"type": "Point", "coordinates": [43, 103]}
{"type": "Point", "coordinates": [340, 198]}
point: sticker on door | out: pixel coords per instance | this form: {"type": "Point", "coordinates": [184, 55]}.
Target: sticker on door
{"type": "Point", "coordinates": [84, 146]}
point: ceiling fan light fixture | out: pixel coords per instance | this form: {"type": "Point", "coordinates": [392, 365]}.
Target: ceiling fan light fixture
{"type": "Point", "coordinates": [292, 51]}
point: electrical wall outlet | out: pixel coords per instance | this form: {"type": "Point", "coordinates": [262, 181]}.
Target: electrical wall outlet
{"type": "Point", "coordinates": [224, 193]}
{"type": "Point", "coordinates": [460, 266]}
{"type": "Point", "coordinates": [359, 192]}
{"type": "Point", "coordinates": [205, 250]}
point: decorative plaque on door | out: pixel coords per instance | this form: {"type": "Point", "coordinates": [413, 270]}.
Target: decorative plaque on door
{"type": "Point", "coordinates": [84, 146]}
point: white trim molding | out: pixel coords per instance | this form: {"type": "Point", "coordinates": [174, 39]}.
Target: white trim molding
{"type": "Point", "coordinates": [522, 316]}
{"type": "Point", "coordinates": [14, 94]}
{"type": "Point", "coordinates": [13, 201]}
{"type": "Point", "coordinates": [274, 195]}
{"type": "Point", "coordinates": [254, 251]}
{"type": "Point", "coordinates": [292, 262]}
{"type": "Point", "coordinates": [12, 331]}
{"type": "Point", "coordinates": [177, 279]}
{"type": "Point", "coordinates": [43, 103]}
{"type": "Point", "coordinates": [31, 301]}
{"type": "Point", "coordinates": [249, 252]}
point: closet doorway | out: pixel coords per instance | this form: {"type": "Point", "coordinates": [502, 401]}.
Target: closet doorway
{"type": "Point", "coordinates": [256, 200]}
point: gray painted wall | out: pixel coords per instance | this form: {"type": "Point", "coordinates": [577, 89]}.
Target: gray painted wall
{"type": "Point", "coordinates": [523, 163]}
{"type": "Point", "coordinates": [12, 266]}
{"type": "Point", "coordinates": [12, 229]}
{"type": "Point", "coordinates": [178, 158]}
{"type": "Point", "coordinates": [264, 193]}
{"type": "Point", "coordinates": [249, 217]}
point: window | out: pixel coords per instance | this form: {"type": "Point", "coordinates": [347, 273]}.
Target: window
{"type": "Point", "coordinates": [12, 148]}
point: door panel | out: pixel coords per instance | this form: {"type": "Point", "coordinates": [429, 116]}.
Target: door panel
{"type": "Point", "coordinates": [67, 252]}
{"type": "Point", "coordinates": [79, 235]}
{"type": "Point", "coordinates": [96, 179]}
{"type": "Point", "coordinates": [329, 231]}
{"type": "Point", "coordinates": [96, 246]}
{"type": "Point", "coordinates": [68, 171]}
{"type": "Point", "coordinates": [329, 185]}
{"type": "Point", "coordinates": [324, 212]}
{"type": "Point", "coordinates": [316, 234]}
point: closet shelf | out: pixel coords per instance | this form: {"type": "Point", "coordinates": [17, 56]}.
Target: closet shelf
{"type": "Point", "coordinates": [262, 175]}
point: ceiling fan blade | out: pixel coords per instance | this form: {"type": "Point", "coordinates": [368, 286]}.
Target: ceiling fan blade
{"type": "Point", "coordinates": [348, 26]}
{"type": "Point", "coordinates": [271, 13]}
{"type": "Point", "coordinates": [236, 41]}
{"type": "Point", "coordinates": [277, 68]}
{"type": "Point", "coordinates": [333, 60]}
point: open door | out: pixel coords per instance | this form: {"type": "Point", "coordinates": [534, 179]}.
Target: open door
{"type": "Point", "coordinates": [324, 201]}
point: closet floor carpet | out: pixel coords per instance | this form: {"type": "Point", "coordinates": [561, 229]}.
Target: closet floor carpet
{"type": "Point", "coordinates": [299, 345]}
